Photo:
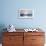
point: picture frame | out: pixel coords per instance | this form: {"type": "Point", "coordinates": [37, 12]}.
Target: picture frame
{"type": "Point", "coordinates": [25, 13]}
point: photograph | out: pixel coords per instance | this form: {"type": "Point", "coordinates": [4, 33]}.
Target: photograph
{"type": "Point", "coordinates": [25, 13]}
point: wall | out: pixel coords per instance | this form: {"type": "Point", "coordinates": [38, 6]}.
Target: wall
{"type": "Point", "coordinates": [8, 14]}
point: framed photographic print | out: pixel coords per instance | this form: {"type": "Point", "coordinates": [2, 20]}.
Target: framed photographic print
{"type": "Point", "coordinates": [25, 13]}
